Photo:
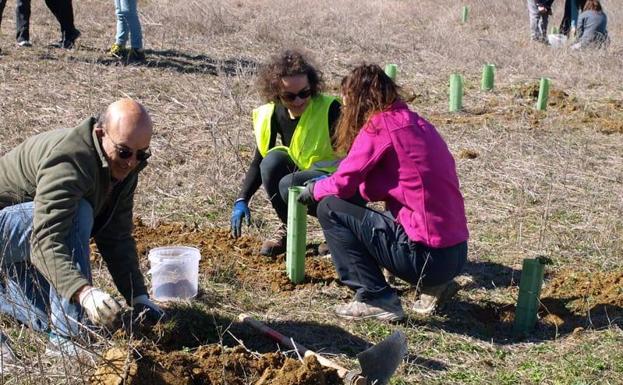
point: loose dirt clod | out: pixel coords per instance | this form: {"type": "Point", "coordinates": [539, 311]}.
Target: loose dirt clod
{"type": "Point", "coordinates": [213, 365]}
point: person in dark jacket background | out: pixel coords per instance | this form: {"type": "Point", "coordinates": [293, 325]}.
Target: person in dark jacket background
{"type": "Point", "coordinates": [57, 190]}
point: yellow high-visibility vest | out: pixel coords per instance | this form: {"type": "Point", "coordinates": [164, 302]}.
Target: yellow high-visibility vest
{"type": "Point", "coordinates": [310, 143]}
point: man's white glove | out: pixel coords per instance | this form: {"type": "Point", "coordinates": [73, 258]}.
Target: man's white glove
{"type": "Point", "coordinates": [101, 308]}
{"type": "Point", "coordinates": [144, 307]}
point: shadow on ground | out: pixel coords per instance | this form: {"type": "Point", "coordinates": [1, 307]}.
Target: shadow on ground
{"type": "Point", "coordinates": [171, 60]}
{"type": "Point", "coordinates": [570, 302]}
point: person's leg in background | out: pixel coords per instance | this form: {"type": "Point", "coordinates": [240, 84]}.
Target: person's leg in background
{"type": "Point", "coordinates": [129, 12]}
{"type": "Point", "coordinates": [64, 13]}
{"type": "Point", "coordinates": [542, 26]}
{"type": "Point", "coordinates": [118, 48]}
{"type": "Point", "coordinates": [22, 22]}
{"type": "Point", "coordinates": [2, 5]}
{"type": "Point", "coordinates": [533, 14]}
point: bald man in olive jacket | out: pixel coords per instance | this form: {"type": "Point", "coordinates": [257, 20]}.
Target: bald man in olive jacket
{"type": "Point", "coordinates": [57, 190]}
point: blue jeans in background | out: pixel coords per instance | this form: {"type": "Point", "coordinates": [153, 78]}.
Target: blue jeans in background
{"type": "Point", "coordinates": [24, 293]}
{"type": "Point", "coordinates": [128, 24]}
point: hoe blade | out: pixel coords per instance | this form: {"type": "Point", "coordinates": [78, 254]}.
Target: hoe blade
{"type": "Point", "coordinates": [379, 362]}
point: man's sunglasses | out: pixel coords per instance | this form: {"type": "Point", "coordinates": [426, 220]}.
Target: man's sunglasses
{"type": "Point", "coordinates": [126, 153]}
{"type": "Point", "coordinates": [290, 97]}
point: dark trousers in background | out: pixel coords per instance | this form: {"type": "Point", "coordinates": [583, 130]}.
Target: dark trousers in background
{"type": "Point", "coordinates": [570, 13]}
{"type": "Point", "coordinates": [362, 241]}
{"type": "Point", "coordinates": [278, 173]}
{"type": "Point", "coordinates": [62, 10]}
{"type": "Point", "coordinates": [2, 4]}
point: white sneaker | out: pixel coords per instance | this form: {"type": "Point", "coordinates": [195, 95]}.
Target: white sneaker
{"type": "Point", "coordinates": [433, 296]}
{"type": "Point", "coordinates": [24, 43]}
{"type": "Point", "coordinates": [383, 309]}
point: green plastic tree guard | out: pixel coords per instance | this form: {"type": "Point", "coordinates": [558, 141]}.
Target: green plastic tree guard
{"type": "Point", "coordinates": [541, 103]}
{"type": "Point", "coordinates": [488, 76]}
{"type": "Point", "coordinates": [529, 293]}
{"type": "Point", "coordinates": [390, 70]}
{"type": "Point", "coordinates": [297, 236]}
{"type": "Point", "coordinates": [456, 92]}
{"type": "Point", "coordinates": [464, 14]}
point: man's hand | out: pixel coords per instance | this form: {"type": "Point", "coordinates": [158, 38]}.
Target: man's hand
{"type": "Point", "coordinates": [241, 209]}
{"type": "Point", "coordinates": [144, 308]}
{"type": "Point", "coordinates": [101, 308]}
{"type": "Point", "coordinates": [306, 196]}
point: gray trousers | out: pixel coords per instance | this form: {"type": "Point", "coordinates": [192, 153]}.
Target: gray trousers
{"type": "Point", "coordinates": [538, 22]}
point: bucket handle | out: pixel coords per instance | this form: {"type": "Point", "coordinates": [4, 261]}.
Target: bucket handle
{"type": "Point", "coordinates": [159, 266]}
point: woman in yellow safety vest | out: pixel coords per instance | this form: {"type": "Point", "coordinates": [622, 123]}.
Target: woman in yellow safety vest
{"type": "Point", "coordinates": [303, 118]}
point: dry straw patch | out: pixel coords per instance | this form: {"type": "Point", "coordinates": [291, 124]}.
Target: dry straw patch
{"type": "Point", "coordinates": [541, 183]}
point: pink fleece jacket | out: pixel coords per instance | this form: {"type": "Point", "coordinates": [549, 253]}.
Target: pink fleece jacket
{"type": "Point", "coordinates": [400, 158]}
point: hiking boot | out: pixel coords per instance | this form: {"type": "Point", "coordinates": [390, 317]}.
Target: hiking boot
{"type": "Point", "coordinates": [62, 347]}
{"type": "Point", "coordinates": [68, 40]}
{"type": "Point", "coordinates": [118, 51]}
{"type": "Point", "coordinates": [384, 309]}
{"type": "Point", "coordinates": [136, 55]}
{"type": "Point", "coordinates": [276, 244]}
{"type": "Point", "coordinates": [323, 249]}
{"type": "Point", "coordinates": [24, 43]}
{"type": "Point", "coordinates": [432, 297]}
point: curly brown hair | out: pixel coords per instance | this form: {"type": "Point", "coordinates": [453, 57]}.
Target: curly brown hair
{"type": "Point", "coordinates": [290, 62]}
{"type": "Point", "coordinates": [366, 91]}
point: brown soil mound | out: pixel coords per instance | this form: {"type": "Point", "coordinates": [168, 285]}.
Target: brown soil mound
{"type": "Point", "coordinates": [225, 258]}
{"type": "Point", "coordinates": [212, 365]}
{"type": "Point", "coordinates": [583, 290]}
{"type": "Point", "coordinates": [569, 300]}
{"type": "Point", "coordinates": [557, 99]}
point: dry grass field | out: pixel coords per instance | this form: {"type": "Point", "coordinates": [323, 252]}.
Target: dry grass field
{"type": "Point", "coordinates": [535, 183]}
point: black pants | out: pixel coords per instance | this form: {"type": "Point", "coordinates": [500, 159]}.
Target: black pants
{"type": "Point", "coordinates": [278, 173]}
{"type": "Point", "coordinates": [62, 10]}
{"type": "Point", "coordinates": [565, 24]}
{"type": "Point", "coordinates": [362, 241]}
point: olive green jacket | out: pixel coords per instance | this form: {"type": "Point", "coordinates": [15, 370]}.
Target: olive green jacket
{"type": "Point", "coordinates": [57, 169]}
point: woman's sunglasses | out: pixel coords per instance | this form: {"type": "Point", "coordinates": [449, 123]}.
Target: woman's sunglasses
{"type": "Point", "coordinates": [290, 97]}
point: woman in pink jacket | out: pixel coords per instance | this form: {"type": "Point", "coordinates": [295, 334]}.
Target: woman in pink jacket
{"type": "Point", "coordinates": [397, 157]}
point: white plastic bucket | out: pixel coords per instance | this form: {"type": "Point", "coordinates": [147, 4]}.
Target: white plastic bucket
{"type": "Point", "coordinates": [174, 272]}
{"type": "Point", "coordinates": [556, 40]}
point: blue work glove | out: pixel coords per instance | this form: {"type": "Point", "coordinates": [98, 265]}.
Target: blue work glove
{"type": "Point", "coordinates": [306, 197]}
{"type": "Point", "coordinates": [241, 209]}
{"type": "Point", "coordinates": [145, 309]}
